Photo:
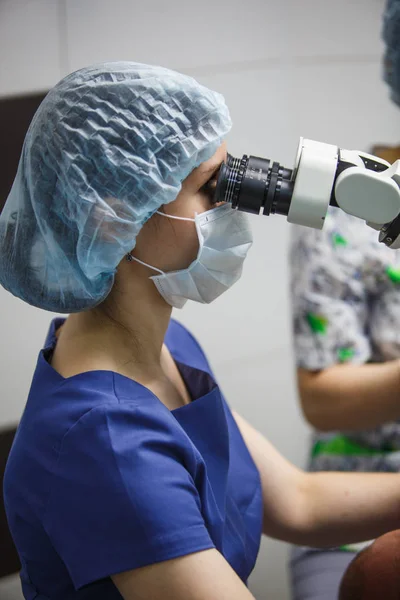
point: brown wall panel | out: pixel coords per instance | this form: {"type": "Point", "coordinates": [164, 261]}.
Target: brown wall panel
{"type": "Point", "coordinates": [15, 117]}
{"type": "Point", "coordinates": [9, 562]}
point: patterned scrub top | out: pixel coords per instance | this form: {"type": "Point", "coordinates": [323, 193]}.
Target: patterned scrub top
{"type": "Point", "coordinates": [345, 289]}
{"type": "Point", "coordinates": [346, 309]}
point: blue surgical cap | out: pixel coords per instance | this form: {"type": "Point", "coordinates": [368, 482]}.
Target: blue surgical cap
{"type": "Point", "coordinates": [391, 36]}
{"type": "Point", "coordinates": [107, 147]}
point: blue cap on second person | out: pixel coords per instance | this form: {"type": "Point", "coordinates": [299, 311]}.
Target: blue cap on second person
{"type": "Point", "coordinates": [391, 36]}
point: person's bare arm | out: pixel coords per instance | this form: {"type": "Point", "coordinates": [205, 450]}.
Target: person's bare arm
{"type": "Point", "coordinates": [353, 397]}
{"type": "Point", "coordinates": [201, 576]}
{"type": "Point", "coordinates": [321, 509]}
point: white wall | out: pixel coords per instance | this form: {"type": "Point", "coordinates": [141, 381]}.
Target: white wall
{"type": "Point", "coordinates": [286, 68]}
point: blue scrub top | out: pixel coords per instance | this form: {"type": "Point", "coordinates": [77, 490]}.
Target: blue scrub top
{"type": "Point", "coordinates": [103, 478]}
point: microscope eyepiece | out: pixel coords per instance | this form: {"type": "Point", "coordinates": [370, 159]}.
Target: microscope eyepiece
{"type": "Point", "coordinates": [254, 185]}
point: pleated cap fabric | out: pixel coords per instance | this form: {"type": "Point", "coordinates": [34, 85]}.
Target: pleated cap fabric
{"type": "Point", "coordinates": [108, 146]}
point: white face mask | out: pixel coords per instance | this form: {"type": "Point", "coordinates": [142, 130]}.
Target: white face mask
{"type": "Point", "coordinates": [224, 240]}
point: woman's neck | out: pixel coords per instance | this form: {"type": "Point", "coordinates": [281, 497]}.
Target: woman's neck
{"type": "Point", "coordinates": [128, 328]}
{"type": "Point", "coordinates": [124, 335]}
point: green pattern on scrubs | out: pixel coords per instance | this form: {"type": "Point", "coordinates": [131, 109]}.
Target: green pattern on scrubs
{"type": "Point", "coordinates": [339, 240]}
{"type": "Point", "coordinates": [345, 354]}
{"type": "Point", "coordinates": [318, 323]}
{"type": "Point", "coordinates": [393, 274]}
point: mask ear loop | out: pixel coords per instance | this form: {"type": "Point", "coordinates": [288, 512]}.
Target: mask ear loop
{"type": "Point", "coordinates": [173, 217]}
{"type": "Point", "coordinates": [129, 257]}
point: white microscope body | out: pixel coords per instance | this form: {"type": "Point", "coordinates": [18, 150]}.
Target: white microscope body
{"type": "Point", "coordinates": [360, 184]}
